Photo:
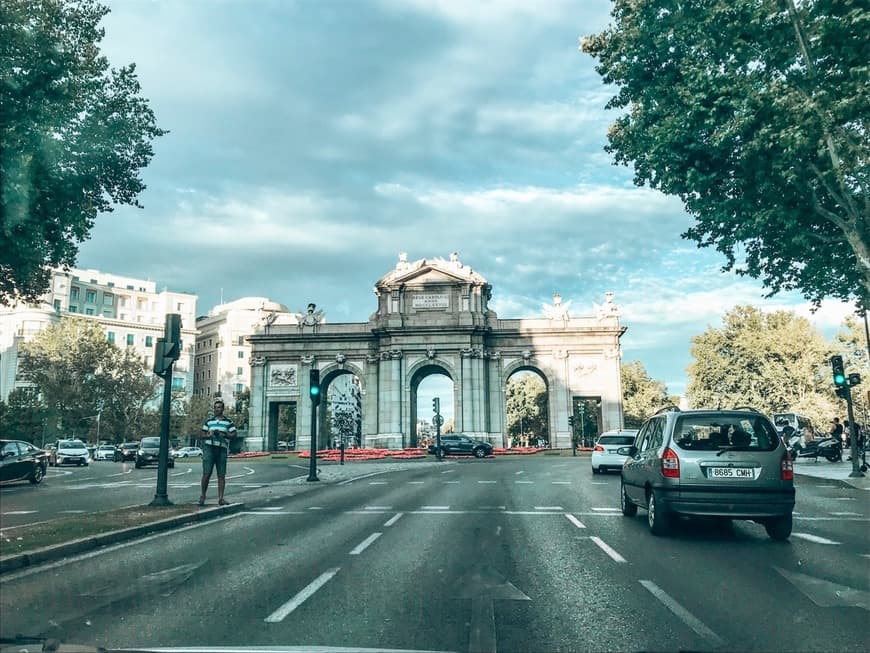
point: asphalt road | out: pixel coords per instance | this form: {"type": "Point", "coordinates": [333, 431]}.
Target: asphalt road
{"type": "Point", "coordinates": [510, 554]}
{"type": "Point", "coordinates": [73, 490]}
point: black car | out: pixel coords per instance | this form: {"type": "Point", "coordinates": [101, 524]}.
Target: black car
{"type": "Point", "coordinates": [459, 444]}
{"type": "Point", "coordinates": [149, 452]}
{"type": "Point", "coordinates": [21, 461]}
{"type": "Point", "coordinates": [127, 451]}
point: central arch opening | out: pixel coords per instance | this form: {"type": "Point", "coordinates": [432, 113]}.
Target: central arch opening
{"type": "Point", "coordinates": [527, 408]}
{"type": "Point", "coordinates": [341, 412]}
{"type": "Point", "coordinates": [428, 383]}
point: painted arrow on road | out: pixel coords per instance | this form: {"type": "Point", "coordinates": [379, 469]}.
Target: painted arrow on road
{"type": "Point", "coordinates": [483, 587]}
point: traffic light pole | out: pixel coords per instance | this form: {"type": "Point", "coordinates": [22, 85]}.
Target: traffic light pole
{"type": "Point", "coordinates": [843, 387]}
{"type": "Point", "coordinates": [853, 438]}
{"type": "Point", "coordinates": [161, 496]}
{"type": "Point", "coordinates": [314, 394]}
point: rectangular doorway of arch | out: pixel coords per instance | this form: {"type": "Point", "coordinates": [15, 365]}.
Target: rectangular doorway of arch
{"type": "Point", "coordinates": [587, 419]}
{"type": "Point", "coordinates": [282, 426]}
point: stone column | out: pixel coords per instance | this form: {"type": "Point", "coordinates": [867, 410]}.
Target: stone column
{"type": "Point", "coordinates": [370, 400]}
{"type": "Point", "coordinates": [303, 406]}
{"type": "Point", "coordinates": [384, 404]}
{"type": "Point", "coordinates": [496, 426]}
{"type": "Point", "coordinates": [560, 401]}
{"type": "Point", "coordinates": [257, 415]}
{"type": "Point", "coordinates": [466, 381]}
{"type": "Point", "coordinates": [397, 411]}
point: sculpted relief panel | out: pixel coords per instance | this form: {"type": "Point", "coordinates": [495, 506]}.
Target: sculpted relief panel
{"type": "Point", "coordinates": [283, 375]}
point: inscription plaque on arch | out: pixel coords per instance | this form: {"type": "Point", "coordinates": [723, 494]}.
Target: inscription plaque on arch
{"type": "Point", "coordinates": [431, 300]}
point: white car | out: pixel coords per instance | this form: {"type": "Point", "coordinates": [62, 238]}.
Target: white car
{"type": "Point", "coordinates": [72, 452]}
{"type": "Point", "coordinates": [604, 456]}
{"type": "Point", "coordinates": [187, 452]}
{"type": "Point", "coordinates": [105, 452]}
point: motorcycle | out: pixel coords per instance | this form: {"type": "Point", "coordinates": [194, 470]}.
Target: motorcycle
{"type": "Point", "coordinates": [830, 447]}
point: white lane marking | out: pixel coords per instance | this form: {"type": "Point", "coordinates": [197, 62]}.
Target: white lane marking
{"type": "Point", "coordinates": [315, 508]}
{"type": "Point", "coordinates": [488, 482]}
{"type": "Point", "coordinates": [520, 472]}
{"type": "Point", "coordinates": [844, 499]}
{"type": "Point", "coordinates": [416, 482]}
{"type": "Point", "coordinates": [435, 507]}
{"type": "Point", "coordinates": [281, 613]}
{"type": "Point", "coordinates": [451, 482]}
{"type": "Point", "coordinates": [813, 538]}
{"type": "Point", "coordinates": [846, 514]}
{"type": "Point", "coordinates": [73, 512]}
{"type": "Point", "coordinates": [362, 546]}
{"type": "Point", "coordinates": [273, 508]}
{"type": "Point", "coordinates": [359, 478]}
{"type": "Point", "coordinates": [575, 521]}
{"type": "Point", "coordinates": [377, 482]}
{"type": "Point", "coordinates": [605, 509]}
{"type": "Point", "coordinates": [687, 617]}
{"type": "Point", "coordinates": [272, 512]}
{"type": "Point", "coordinates": [20, 512]}
{"type": "Point", "coordinates": [378, 508]}
{"type": "Point", "coordinates": [599, 483]}
{"type": "Point", "coordinates": [392, 520]}
{"type": "Point", "coordinates": [493, 507]}
{"type": "Point", "coordinates": [834, 518]}
{"type": "Point", "coordinates": [524, 482]}
{"type": "Point", "coordinates": [549, 508]}
{"type": "Point", "coordinates": [561, 482]}
{"type": "Point", "coordinates": [865, 555]}
{"type": "Point", "coordinates": [448, 471]}
{"type": "Point", "coordinates": [606, 548]}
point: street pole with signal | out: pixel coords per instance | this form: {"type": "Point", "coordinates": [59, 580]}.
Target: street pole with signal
{"type": "Point", "coordinates": [314, 395]}
{"type": "Point", "coordinates": [843, 387]}
{"type": "Point", "coordinates": [166, 352]}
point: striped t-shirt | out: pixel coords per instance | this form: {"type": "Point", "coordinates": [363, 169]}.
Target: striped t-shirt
{"type": "Point", "coordinates": [216, 430]}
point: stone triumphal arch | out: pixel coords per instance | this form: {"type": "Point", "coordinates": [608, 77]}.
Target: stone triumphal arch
{"type": "Point", "coordinates": [433, 317]}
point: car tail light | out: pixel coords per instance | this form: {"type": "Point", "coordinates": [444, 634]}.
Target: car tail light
{"type": "Point", "coordinates": [670, 464]}
{"type": "Point", "coordinates": [598, 447]}
{"type": "Point", "coordinates": [786, 467]}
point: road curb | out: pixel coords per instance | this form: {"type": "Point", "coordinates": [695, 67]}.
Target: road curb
{"type": "Point", "coordinates": [855, 484]}
{"type": "Point", "coordinates": [58, 551]}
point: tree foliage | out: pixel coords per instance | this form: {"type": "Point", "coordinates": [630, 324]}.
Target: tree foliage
{"type": "Point", "coordinates": [771, 361]}
{"type": "Point", "coordinates": [641, 394]}
{"type": "Point", "coordinates": [79, 374]}
{"type": "Point", "coordinates": [74, 134]}
{"type": "Point", "coordinates": [756, 114]}
{"type": "Point", "coordinates": [526, 406]}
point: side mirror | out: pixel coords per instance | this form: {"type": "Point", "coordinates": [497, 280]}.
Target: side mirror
{"type": "Point", "coordinates": [627, 451]}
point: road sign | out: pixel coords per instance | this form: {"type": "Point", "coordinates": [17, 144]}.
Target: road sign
{"type": "Point", "coordinates": [438, 420]}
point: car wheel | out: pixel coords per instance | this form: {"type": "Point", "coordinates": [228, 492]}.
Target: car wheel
{"type": "Point", "coordinates": [657, 515]}
{"type": "Point", "coordinates": [628, 508]}
{"type": "Point", "coordinates": [479, 453]}
{"type": "Point", "coordinates": [37, 475]}
{"type": "Point", "coordinates": [779, 528]}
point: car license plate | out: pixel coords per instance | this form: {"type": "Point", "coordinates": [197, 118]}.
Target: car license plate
{"type": "Point", "coordinates": [730, 472]}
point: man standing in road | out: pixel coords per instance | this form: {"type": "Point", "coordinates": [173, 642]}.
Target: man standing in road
{"type": "Point", "coordinates": [218, 431]}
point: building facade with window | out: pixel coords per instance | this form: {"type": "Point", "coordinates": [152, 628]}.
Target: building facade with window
{"type": "Point", "coordinates": [131, 311]}
{"type": "Point", "coordinates": [222, 357]}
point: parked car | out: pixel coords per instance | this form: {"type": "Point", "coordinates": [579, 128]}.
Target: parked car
{"type": "Point", "coordinates": [798, 422]}
{"type": "Point", "coordinates": [729, 464]}
{"type": "Point", "coordinates": [604, 453]}
{"type": "Point", "coordinates": [72, 452]}
{"type": "Point", "coordinates": [460, 444]}
{"type": "Point", "coordinates": [148, 452]}
{"type": "Point", "coordinates": [105, 452]}
{"type": "Point", "coordinates": [20, 461]}
{"type": "Point", "coordinates": [187, 452]}
{"type": "Point", "coordinates": [127, 451]}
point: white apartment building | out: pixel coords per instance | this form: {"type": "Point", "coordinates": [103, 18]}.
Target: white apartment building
{"type": "Point", "coordinates": [132, 312]}
{"type": "Point", "coordinates": [222, 364]}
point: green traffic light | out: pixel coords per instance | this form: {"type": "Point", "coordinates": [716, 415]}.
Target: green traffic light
{"type": "Point", "coordinates": [314, 390]}
{"type": "Point", "coordinates": [839, 379]}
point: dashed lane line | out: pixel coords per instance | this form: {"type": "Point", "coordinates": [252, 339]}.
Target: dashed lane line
{"type": "Point", "coordinates": [525, 482]}
{"type": "Point", "coordinates": [549, 508]}
{"type": "Point", "coordinates": [416, 482]}
{"type": "Point", "coordinates": [377, 482]}
{"type": "Point", "coordinates": [451, 482]}
{"type": "Point", "coordinates": [571, 518]}
{"type": "Point", "coordinates": [605, 509]}
{"type": "Point", "coordinates": [378, 508]}
{"type": "Point", "coordinates": [561, 482]}
{"type": "Point", "coordinates": [435, 507]}
{"type": "Point", "coordinates": [281, 613]}
{"type": "Point", "coordinates": [392, 520]}
{"type": "Point", "coordinates": [362, 546]}
{"type": "Point", "coordinates": [607, 549]}
{"type": "Point", "coordinates": [487, 482]}
{"type": "Point", "coordinates": [684, 615]}
{"type": "Point", "coordinates": [809, 537]}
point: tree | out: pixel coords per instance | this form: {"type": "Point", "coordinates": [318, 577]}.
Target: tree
{"type": "Point", "coordinates": [641, 395]}
{"type": "Point", "coordinates": [526, 406]}
{"type": "Point", "coordinates": [79, 374]}
{"type": "Point", "coordinates": [74, 133]}
{"type": "Point", "coordinates": [773, 362]}
{"type": "Point", "coordinates": [755, 114]}
{"type": "Point", "coordinates": [23, 416]}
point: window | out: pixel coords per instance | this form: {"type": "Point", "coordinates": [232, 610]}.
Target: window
{"type": "Point", "coordinates": [130, 288]}
{"type": "Point", "coordinates": [240, 387]}
{"type": "Point", "coordinates": [107, 313]}
{"type": "Point", "coordinates": [209, 374]}
{"type": "Point", "coordinates": [73, 309]}
{"type": "Point", "coordinates": [89, 311]}
{"type": "Point", "coordinates": [239, 371]}
{"type": "Point", "coordinates": [90, 296]}
{"type": "Point", "coordinates": [179, 307]}
{"type": "Point", "coordinates": [57, 305]}
{"type": "Point", "coordinates": [111, 336]}
{"type": "Point", "coordinates": [94, 281]}
{"type": "Point", "coordinates": [178, 383]}
{"type": "Point", "coordinates": [108, 299]}
{"type": "Point", "coordinates": [111, 284]}
{"type": "Point", "coordinates": [149, 341]}
{"type": "Point", "coordinates": [241, 354]}
{"type": "Point", "coordinates": [125, 302]}
{"type": "Point", "coordinates": [241, 341]}
{"type": "Point", "coordinates": [74, 292]}
{"type": "Point", "coordinates": [130, 339]}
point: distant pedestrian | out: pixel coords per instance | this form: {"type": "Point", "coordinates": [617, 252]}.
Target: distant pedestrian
{"type": "Point", "coordinates": [218, 431]}
{"type": "Point", "coordinates": [836, 429]}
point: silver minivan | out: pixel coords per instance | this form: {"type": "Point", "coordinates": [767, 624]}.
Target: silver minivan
{"type": "Point", "coordinates": [730, 464]}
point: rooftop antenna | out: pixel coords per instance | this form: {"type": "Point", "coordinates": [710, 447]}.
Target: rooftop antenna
{"type": "Point", "coordinates": [222, 295]}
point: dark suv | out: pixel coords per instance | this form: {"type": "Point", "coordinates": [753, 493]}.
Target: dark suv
{"type": "Point", "coordinates": [459, 444]}
{"type": "Point", "coordinates": [729, 464]}
{"type": "Point", "coordinates": [127, 451]}
{"type": "Point", "coordinates": [148, 452]}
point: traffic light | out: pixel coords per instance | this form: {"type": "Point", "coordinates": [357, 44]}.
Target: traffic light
{"type": "Point", "coordinates": [839, 372]}
{"type": "Point", "coordinates": [854, 379]}
{"type": "Point", "coordinates": [571, 420]}
{"type": "Point", "coordinates": [314, 386]}
{"type": "Point", "coordinates": [436, 405]}
{"type": "Point", "coordinates": [165, 354]}
{"type": "Point", "coordinates": [840, 392]}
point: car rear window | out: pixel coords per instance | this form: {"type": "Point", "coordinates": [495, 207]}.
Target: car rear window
{"type": "Point", "coordinates": [616, 439]}
{"type": "Point", "coordinates": [73, 445]}
{"type": "Point", "coordinates": [725, 431]}
{"type": "Point", "coordinates": [150, 442]}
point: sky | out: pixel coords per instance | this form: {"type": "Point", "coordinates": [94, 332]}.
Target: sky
{"type": "Point", "coordinates": [311, 142]}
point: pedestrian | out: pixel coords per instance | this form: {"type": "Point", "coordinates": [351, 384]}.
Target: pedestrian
{"type": "Point", "coordinates": [859, 435]}
{"type": "Point", "coordinates": [836, 429]}
{"type": "Point", "coordinates": [218, 431]}
{"type": "Point", "coordinates": [809, 434]}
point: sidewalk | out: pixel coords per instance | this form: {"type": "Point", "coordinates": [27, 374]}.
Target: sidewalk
{"type": "Point", "coordinates": [832, 471]}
